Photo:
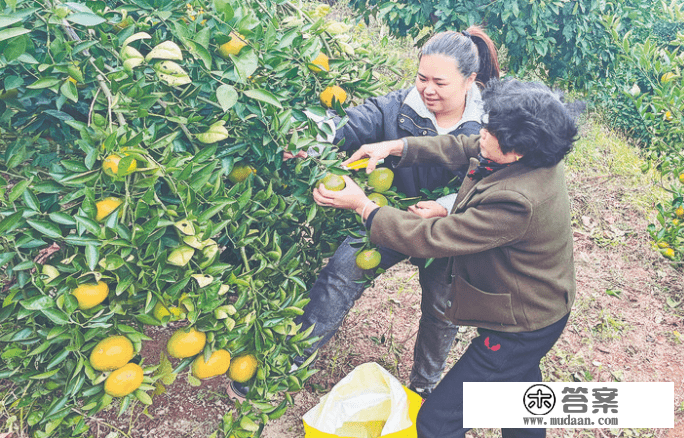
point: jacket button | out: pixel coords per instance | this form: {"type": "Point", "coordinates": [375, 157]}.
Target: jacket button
{"type": "Point", "coordinates": [448, 303]}
{"type": "Point", "coordinates": [424, 132]}
{"type": "Point", "coordinates": [401, 120]}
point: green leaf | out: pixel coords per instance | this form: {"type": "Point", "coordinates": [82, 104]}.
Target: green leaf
{"type": "Point", "coordinates": [44, 83]}
{"type": "Point", "coordinates": [6, 34]}
{"type": "Point", "coordinates": [38, 303]}
{"type": "Point", "coordinates": [226, 96]}
{"type": "Point", "coordinates": [85, 19]}
{"type": "Point", "coordinates": [18, 190]}
{"type": "Point", "coordinates": [7, 20]}
{"type": "Point", "coordinates": [10, 221]}
{"type": "Point", "coordinates": [246, 63]}
{"type": "Point", "coordinates": [69, 90]}
{"type": "Point", "coordinates": [92, 256]}
{"type": "Point", "coordinates": [56, 316]}
{"type": "Point", "coordinates": [46, 228]}
{"type": "Point", "coordinates": [264, 96]}
{"type": "Point", "coordinates": [143, 397]}
{"type": "Point", "coordinates": [6, 257]}
{"type": "Point", "coordinates": [89, 224]}
{"type": "Point", "coordinates": [62, 218]}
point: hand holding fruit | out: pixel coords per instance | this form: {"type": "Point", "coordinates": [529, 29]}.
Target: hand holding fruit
{"type": "Point", "coordinates": [375, 152]}
{"type": "Point", "coordinates": [352, 197]}
{"type": "Point", "coordinates": [428, 209]}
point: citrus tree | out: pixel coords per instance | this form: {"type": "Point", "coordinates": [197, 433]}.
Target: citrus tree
{"type": "Point", "coordinates": [658, 96]}
{"type": "Point", "coordinates": [142, 181]}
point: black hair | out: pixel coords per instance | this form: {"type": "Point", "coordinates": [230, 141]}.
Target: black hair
{"type": "Point", "coordinates": [472, 50]}
{"type": "Point", "coordinates": [529, 119]}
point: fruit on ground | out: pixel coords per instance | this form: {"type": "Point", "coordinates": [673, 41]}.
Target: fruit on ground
{"type": "Point", "coordinates": [368, 259]}
{"type": "Point", "coordinates": [90, 295]}
{"type": "Point", "coordinates": [242, 368]}
{"type": "Point", "coordinates": [240, 173]}
{"type": "Point", "coordinates": [105, 207]}
{"type": "Point", "coordinates": [320, 63]}
{"type": "Point", "coordinates": [233, 46]}
{"type": "Point", "coordinates": [333, 182]}
{"type": "Point", "coordinates": [218, 363]}
{"type": "Point", "coordinates": [379, 199]}
{"type": "Point", "coordinates": [186, 343]}
{"type": "Point", "coordinates": [381, 179]}
{"type": "Point", "coordinates": [111, 165]}
{"type": "Point", "coordinates": [111, 353]}
{"type": "Point", "coordinates": [329, 93]}
{"type": "Point", "coordinates": [125, 380]}
{"type": "Point", "coordinates": [160, 311]}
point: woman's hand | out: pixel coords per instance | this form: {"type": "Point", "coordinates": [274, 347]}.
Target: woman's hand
{"type": "Point", "coordinates": [352, 197]}
{"type": "Point", "coordinates": [289, 155]}
{"type": "Point", "coordinates": [428, 209]}
{"type": "Point", "coordinates": [376, 152]}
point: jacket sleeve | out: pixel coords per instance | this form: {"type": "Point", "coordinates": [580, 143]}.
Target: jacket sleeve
{"type": "Point", "coordinates": [500, 219]}
{"type": "Point", "coordinates": [446, 150]}
{"type": "Point", "coordinates": [366, 122]}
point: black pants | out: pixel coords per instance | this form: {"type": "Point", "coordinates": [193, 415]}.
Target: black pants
{"type": "Point", "coordinates": [491, 357]}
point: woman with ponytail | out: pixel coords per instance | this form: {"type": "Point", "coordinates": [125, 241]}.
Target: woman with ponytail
{"type": "Point", "coordinates": [452, 69]}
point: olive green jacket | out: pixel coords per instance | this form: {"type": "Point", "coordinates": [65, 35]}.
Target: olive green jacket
{"type": "Point", "coordinates": [508, 238]}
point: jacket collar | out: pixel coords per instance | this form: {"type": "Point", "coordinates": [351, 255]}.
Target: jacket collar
{"type": "Point", "coordinates": [473, 110]}
{"type": "Point", "coordinates": [470, 187]}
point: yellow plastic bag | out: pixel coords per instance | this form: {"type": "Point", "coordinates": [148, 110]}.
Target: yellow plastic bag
{"type": "Point", "coordinates": [368, 403]}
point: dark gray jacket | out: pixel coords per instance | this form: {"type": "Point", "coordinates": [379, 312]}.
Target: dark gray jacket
{"type": "Point", "coordinates": [391, 117]}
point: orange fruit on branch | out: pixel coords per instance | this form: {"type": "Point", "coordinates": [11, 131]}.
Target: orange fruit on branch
{"type": "Point", "coordinates": [233, 46]}
{"type": "Point", "coordinates": [381, 179]}
{"type": "Point", "coordinates": [125, 380]}
{"type": "Point", "coordinates": [218, 364]}
{"type": "Point", "coordinates": [111, 353]}
{"type": "Point", "coordinates": [186, 343]}
{"type": "Point", "coordinates": [242, 368]}
{"type": "Point", "coordinates": [110, 165]}
{"type": "Point", "coordinates": [90, 295]}
{"type": "Point", "coordinates": [334, 92]}
{"type": "Point", "coordinates": [368, 259]}
{"type": "Point", "coordinates": [333, 182]}
{"type": "Point", "coordinates": [105, 207]}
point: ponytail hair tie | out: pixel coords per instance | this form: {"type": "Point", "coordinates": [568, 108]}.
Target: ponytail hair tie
{"type": "Point", "coordinates": [467, 34]}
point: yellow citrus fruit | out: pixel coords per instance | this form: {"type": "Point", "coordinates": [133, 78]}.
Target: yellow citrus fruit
{"type": "Point", "coordinates": [681, 178]}
{"type": "Point", "coordinates": [240, 173]}
{"type": "Point", "coordinates": [218, 363]}
{"type": "Point", "coordinates": [160, 311]}
{"type": "Point", "coordinates": [124, 380]}
{"type": "Point", "coordinates": [105, 207]}
{"type": "Point", "coordinates": [379, 199]}
{"type": "Point", "coordinates": [110, 165]}
{"type": "Point", "coordinates": [679, 211]}
{"type": "Point", "coordinates": [668, 253]}
{"type": "Point", "coordinates": [233, 46]}
{"type": "Point", "coordinates": [90, 295]}
{"type": "Point", "coordinates": [381, 179]}
{"type": "Point", "coordinates": [111, 353]}
{"type": "Point", "coordinates": [668, 116]}
{"type": "Point", "coordinates": [333, 182]}
{"type": "Point", "coordinates": [186, 343]}
{"type": "Point", "coordinates": [329, 93]}
{"type": "Point", "coordinates": [242, 368]}
{"type": "Point", "coordinates": [675, 222]}
{"type": "Point", "coordinates": [368, 259]}
{"type": "Point", "coordinates": [663, 245]}
{"type": "Point", "coordinates": [320, 63]}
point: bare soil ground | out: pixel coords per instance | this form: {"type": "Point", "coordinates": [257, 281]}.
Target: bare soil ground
{"type": "Point", "coordinates": [626, 326]}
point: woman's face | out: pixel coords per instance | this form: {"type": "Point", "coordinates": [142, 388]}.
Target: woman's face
{"type": "Point", "coordinates": [490, 149]}
{"type": "Point", "coordinates": [441, 86]}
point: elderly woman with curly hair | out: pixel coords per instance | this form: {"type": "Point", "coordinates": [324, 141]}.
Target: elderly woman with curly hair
{"type": "Point", "coordinates": [506, 244]}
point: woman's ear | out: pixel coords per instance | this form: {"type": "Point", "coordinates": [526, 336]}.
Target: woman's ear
{"type": "Point", "coordinates": [470, 80]}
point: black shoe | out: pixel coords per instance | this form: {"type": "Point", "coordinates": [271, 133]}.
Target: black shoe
{"type": "Point", "coordinates": [423, 392]}
{"type": "Point", "coordinates": [239, 389]}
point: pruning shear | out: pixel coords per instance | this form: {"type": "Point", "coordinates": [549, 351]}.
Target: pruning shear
{"type": "Point", "coordinates": [360, 164]}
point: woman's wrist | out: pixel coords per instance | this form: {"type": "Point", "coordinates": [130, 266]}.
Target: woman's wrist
{"type": "Point", "coordinates": [365, 208]}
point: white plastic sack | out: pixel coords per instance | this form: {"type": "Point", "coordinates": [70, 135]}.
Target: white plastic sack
{"type": "Point", "coordinates": [369, 402]}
